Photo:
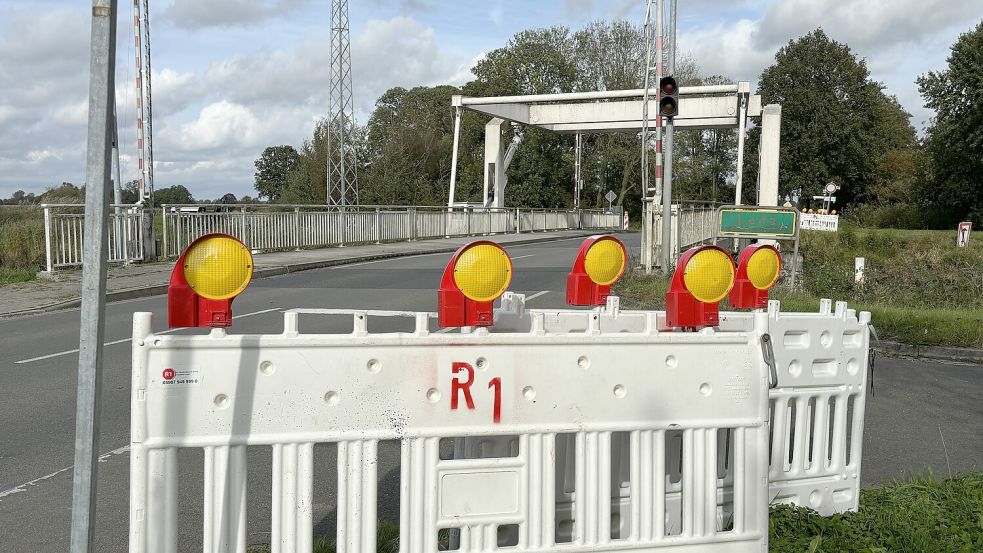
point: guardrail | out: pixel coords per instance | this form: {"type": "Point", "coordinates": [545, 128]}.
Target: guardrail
{"type": "Point", "coordinates": [692, 224]}
{"type": "Point", "coordinates": [284, 227]}
{"type": "Point", "coordinates": [63, 234]}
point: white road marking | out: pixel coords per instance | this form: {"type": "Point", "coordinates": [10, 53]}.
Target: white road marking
{"type": "Point", "coordinates": [524, 256]}
{"type": "Point", "coordinates": [446, 330]}
{"type": "Point", "coordinates": [114, 342]}
{"type": "Point", "coordinates": [537, 294]}
{"type": "Point", "coordinates": [23, 487]}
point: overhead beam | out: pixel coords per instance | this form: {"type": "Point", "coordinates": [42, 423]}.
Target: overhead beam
{"type": "Point", "coordinates": [696, 111]}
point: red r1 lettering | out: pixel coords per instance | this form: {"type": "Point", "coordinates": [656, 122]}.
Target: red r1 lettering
{"type": "Point", "coordinates": [496, 383]}
{"type": "Point", "coordinates": [462, 385]}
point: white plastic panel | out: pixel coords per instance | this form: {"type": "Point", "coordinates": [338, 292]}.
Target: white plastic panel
{"type": "Point", "coordinates": [816, 410]}
{"type": "Point", "coordinates": [595, 390]}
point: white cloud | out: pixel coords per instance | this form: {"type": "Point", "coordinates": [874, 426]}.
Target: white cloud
{"type": "Point", "coordinates": [223, 95]}
{"type": "Point", "coordinates": [196, 14]}
{"type": "Point", "coordinates": [900, 39]}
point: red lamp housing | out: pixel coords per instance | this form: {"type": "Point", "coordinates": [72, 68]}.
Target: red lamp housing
{"type": "Point", "coordinates": [704, 275]}
{"type": "Point", "coordinates": [220, 267]}
{"type": "Point", "coordinates": [477, 274]}
{"type": "Point", "coordinates": [751, 290]}
{"type": "Point", "coordinates": [600, 262]}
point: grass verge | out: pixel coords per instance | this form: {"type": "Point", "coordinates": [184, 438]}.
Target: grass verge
{"type": "Point", "coordinates": [10, 276]}
{"type": "Point", "coordinates": [923, 515]}
{"type": "Point", "coordinates": [911, 325]}
{"type": "Point", "coordinates": [920, 515]}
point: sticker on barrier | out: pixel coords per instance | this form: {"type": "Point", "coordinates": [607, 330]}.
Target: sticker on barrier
{"type": "Point", "coordinates": [617, 405]}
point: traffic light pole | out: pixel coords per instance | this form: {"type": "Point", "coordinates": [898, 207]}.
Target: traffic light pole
{"type": "Point", "coordinates": [668, 249]}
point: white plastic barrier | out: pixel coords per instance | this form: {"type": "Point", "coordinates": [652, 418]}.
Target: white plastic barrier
{"type": "Point", "coordinates": [816, 402]}
{"type": "Point", "coordinates": [616, 403]}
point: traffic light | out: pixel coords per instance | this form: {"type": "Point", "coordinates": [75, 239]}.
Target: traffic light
{"type": "Point", "coordinates": [669, 92]}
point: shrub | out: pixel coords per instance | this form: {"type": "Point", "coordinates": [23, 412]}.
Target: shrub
{"type": "Point", "coordinates": [21, 237]}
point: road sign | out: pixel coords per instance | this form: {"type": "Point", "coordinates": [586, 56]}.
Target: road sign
{"type": "Point", "coordinates": [962, 238]}
{"type": "Point", "coordinates": [819, 221]}
{"type": "Point", "coordinates": [610, 197]}
{"type": "Point", "coordinates": [831, 188]}
{"type": "Point", "coordinates": [757, 223]}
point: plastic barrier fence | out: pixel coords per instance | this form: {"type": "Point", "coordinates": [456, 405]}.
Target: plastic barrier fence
{"type": "Point", "coordinates": [816, 407]}
{"type": "Point", "coordinates": [592, 414]}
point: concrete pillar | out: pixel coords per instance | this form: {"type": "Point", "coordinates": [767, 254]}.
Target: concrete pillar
{"type": "Point", "coordinates": [494, 189]}
{"type": "Point", "coordinates": [768, 152]}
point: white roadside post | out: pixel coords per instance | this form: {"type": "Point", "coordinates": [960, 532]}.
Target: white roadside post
{"type": "Point", "coordinates": [92, 329]}
{"type": "Point", "coordinates": [962, 233]}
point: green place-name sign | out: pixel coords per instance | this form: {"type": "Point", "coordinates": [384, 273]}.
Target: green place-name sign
{"type": "Point", "coordinates": [757, 222]}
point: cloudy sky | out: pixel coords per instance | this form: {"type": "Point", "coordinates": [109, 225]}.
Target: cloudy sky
{"type": "Point", "coordinates": [231, 77]}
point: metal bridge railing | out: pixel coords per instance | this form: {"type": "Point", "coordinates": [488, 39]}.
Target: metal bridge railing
{"type": "Point", "coordinates": [292, 227]}
{"type": "Point", "coordinates": [285, 227]}
{"type": "Point", "coordinates": [692, 224]}
{"type": "Point", "coordinates": [63, 234]}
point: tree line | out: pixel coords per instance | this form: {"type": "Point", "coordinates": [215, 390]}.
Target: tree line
{"type": "Point", "coordinates": [838, 125]}
{"type": "Point", "coordinates": [68, 193]}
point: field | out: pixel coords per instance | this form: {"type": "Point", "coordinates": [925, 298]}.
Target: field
{"type": "Point", "coordinates": [919, 287]}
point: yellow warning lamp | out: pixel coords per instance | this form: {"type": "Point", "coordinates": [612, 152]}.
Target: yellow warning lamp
{"type": "Point", "coordinates": [758, 268]}
{"type": "Point", "coordinates": [477, 274]}
{"type": "Point", "coordinates": [600, 263]}
{"type": "Point", "coordinates": [704, 276]}
{"type": "Point", "coordinates": [208, 275]}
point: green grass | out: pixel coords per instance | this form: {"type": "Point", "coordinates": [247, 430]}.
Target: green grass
{"type": "Point", "coordinates": [910, 325]}
{"type": "Point", "coordinates": [21, 238]}
{"type": "Point", "coordinates": [919, 287]}
{"type": "Point", "coordinates": [10, 275]}
{"type": "Point", "coordinates": [921, 515]}
{"type": "Point", "coordinates": [910, 268]}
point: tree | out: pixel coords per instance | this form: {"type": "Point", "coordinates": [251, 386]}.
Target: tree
{"type": "Point", "coordinates": [836, 122]}
{"type": "Point", "coordinates": [408, 144]}
{"type": "Point", "coordinates": [273, 170]}
{"type": "Point", "coordinates": [955, 138]}
{"type": "Point", "coordinates": [131, 192]}
{"type": "Point", "coordinates": [67, 193]}
{"type": "Point", "coordinates": [227, 198]}
{"type": "Point", "coordinates": [176, 194]}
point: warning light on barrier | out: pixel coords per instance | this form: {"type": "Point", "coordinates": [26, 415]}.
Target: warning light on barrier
{"type": "Point", "coordinates": [758, 269]}
{"type": "Point", "coordinates": [600, 263]}
{"type": "Point", "coordinates": [703, 277]}
{"type": "Point", "coordinates": [477, 274]}
{"type": "Point", "coordinates": [208, 275]}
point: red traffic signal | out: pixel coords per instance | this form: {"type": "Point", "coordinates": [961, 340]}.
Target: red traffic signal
{"type": "Point", "coordinates": [669, 102]}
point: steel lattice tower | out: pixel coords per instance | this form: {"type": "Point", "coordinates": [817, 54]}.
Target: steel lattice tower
{"type": "Point", "coordinates": [342, 176]}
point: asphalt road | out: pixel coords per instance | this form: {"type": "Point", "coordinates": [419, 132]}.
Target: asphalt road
{"type": "Point", "coordinates": [916, 405]}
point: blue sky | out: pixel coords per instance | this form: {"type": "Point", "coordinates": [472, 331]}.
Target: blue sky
{"type": "Point", "coordinates": [234, 76]}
